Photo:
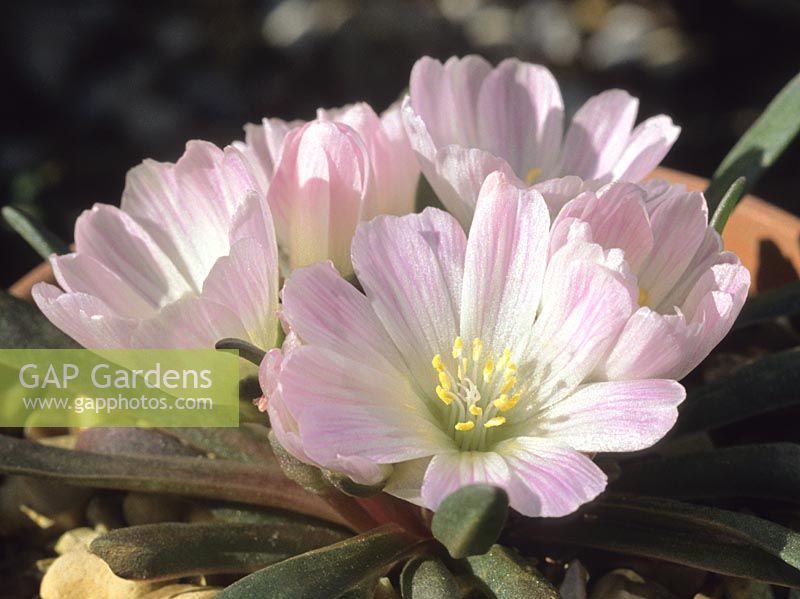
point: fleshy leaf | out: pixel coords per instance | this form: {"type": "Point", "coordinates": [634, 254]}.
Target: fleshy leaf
{"type": "Point", "coordinates": [507, 576]}
{"type": "Point", "coordinates": [727, 204]}
{"type": "Point", "coordinates": [23, 326]}
{"type": "Point", "coordinates": [211, 479]}
{"type": "Point", "coordinates": [757, 388]}
{"type": "Point", "coordinates": [39, 237]}
{"type": "Point", "coordinates": [469, 521]}
{"type": "Point", "coordinates": [176, 549]}
{"type": "Point", "coordinates": [784, 301]}
{"type": "Point", "coordinates": [701, 537]}
{"type": "Point", "coordinates": [428, 578]}
{"type": "Point", "coordinates": [248, 443]}
{"type": "Point", "coordinates": [761, 145]}
{"type": "Point", "coordinates": [769, 471]}
{"type": "Point", "coordinates": [330, 571]}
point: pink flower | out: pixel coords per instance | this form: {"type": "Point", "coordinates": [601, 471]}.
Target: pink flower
{"type": "Point", "coordinates": [323, 177]}
{"type": "Point", "coordinates": [188, 259]}
{"type": "Point", "coordinates": [395, 170]}
{"type": "Point", "coordinates": [466, 360]}
{"type": "Point", "coordinates": [318, 192]}
{"type": "Point", "coordinates": [690, 291]}
{"type": "Point", "coordinates": [466, 119]}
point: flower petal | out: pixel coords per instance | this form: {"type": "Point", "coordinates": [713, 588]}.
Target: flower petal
{"type": "Point", "coordinates": [549, 479]}
{"type": "Point", "coordinates": [557, 192]}
{"type": "Point", "coordinates": [672, 253]}
{"type": "Point", "coordinates": [598, 135]}
{"type": "Point", "coordinates": [284, 426]}
{"type": "Point", "coordinates": [85, 318]}
{"type": "Point", "coordinates": [455, 173]}
{"type": "Point", "coordinates": [448, 472]}
{"type": "Point", "coordinates": [348, 408]}
{"type": "Point", "coordinates": [401, 174]}
{"type": "Point", "coordinates": [613, 416]}
{"type": "Point", "coordinates": [262, 148]}
{"type": "Point", "coordinates": [459, 175]}
{"type": "Point", "coordinates": [411, 268]}
{"type": "Point", "coordinates": [618, 219]}
{"type": "Point", "coordinates": [190, 322]}
{"type": "Point", "coordinates": [406, 480]}
{"type": "Point", "coordinates": [326, 311]}
{"type": "Point", "coordinates": [648, 347]}
{"type": "Point", "coordinates": [445, 96]}
{"type": "Point", "coordinates": [79, 273]}
{"type": "Point", "coordinates": [505, 264]}
{"type": "Point", "coordinates": [584, 306]}
{"type": "Point", "coordinates": [317, 194]}
{"type": "Point", "coordinates": [711, 308]}
{"type": "Point", "coordinates": [648, 144]}
{"type": "Point", "coordinates": [520, 116]}
{"type": "Point", "coordinates": [395, 171]}
{"type": "Point", "coordinates": [186, 207]}
{"type": "Point", "coordinates": [246, 282]}
{"type": "Point", "coordinates": [116, 240]}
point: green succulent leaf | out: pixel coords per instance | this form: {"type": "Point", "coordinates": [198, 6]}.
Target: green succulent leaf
{"type": "Point", "coordinates": [727, 204]}
{"type": "Point", "coordinates": [248, 444]}
{"type": "Point", "coordinates": [427, 578]}
{"type": "Point", "coordinates": [759, 387]}
{"type": "Point", "coordinates": [729, 543]}
{"type": "Point", "coordinates": [330, 571]}
{"type": "Point", "coordinates": [263, 485]}
{"type": "Point", "coordinates": [39, 237]}
{"type": "Point", "coordinates": [175, 549]}
{"type": "Point", "coordinates": [22, 326]}
{"type": "Point", "coordinates": [784, 301]}
{"type": "Point", "coordinates": [770, 471]}
{"type": "Point", "coordinates": [507, 576]}
{"type": "Point", "coordinates": [469, 521]}
{"type": "Point", "coordinates": [761, 145]}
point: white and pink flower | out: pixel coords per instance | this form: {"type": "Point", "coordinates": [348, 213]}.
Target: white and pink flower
{"type": "Point", "coordinates": [466, 119]}
{"type": "Point", "coordinates": [161, 270]}
{"type": "Point", "coordinates": [324, 177]}
{"type": "Point", "coordinates": [466, 359]}
{"type": "Point", "coordinates": [690, 289]}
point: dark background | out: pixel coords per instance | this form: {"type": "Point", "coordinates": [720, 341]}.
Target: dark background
{"type": "Point", "coordinates": [91, 87]}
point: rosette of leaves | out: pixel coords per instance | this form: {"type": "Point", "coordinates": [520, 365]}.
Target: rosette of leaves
{"type": "Point", "coordinates": [712, 510]}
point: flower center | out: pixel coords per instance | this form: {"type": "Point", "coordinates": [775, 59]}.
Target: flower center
{"type": "Point", "coordinates": [532, 175]}
{"type": "Point", "coordinates": [477, 388]}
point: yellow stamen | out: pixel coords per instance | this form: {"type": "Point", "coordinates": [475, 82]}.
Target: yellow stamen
{"type": "Point", "coordinates": [475, 410]}
{"type": "Point", "coordinates": [488, 369]}
{"type": "Point", "coordinates": [511, 368]}
{"type": "Point", "coordinates": [458, 347]}
{"type": "Point", "coordinates": [493, 422]}
{"type": "Point", "coordinates": [643, 296]}
{"type": "Point", "coordinates": [509, 384]}
{"type": "Point", "coordinates": [465, 426]}
{"type": "Point", "coordinates": [445, 396]}
{"type": "Point", "coordinates": [477, 348]}
{"type": "Point", "coordinates": [444, 381]}
{"type": "Point", "coordinates": [532, 175]}
{"type": "Point", "coordinates": [504, 359]}
{"type": "Point", "coordinates": [504, 403]}
{"type": "Point", "coordinates": [437, 362]}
